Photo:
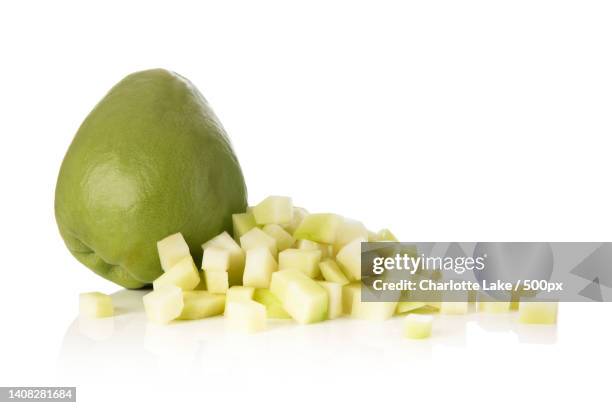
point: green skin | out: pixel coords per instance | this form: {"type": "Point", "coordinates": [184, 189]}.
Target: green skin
{"type": "Point", "coordinates": [150, 160]}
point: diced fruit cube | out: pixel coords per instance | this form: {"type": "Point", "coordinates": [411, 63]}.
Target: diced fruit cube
{"type": "Point", "coordinates": [242, 223]}
{"type": "Point", "coordinates": [259, 267]}
{"type": "Point", "coordinates": [349, 259]}
{"type": "Point", "coordinates": [256, 238]}
{"type": "Point", "coordinates": [302, 297]}
{"type": "Point", "coordinates": [245, 316]}
{"type": "Point", "coordinates": [183, 274]}
{"type": "Point", "coordinates": [274, 307]}
{"type": "Point", "coordinates": [417, 326]}
{"type": "Point", "coordinates": [320, 228]}
{"type": "Point", "coordinates": [304, 260]}
{"type": "Point", "coordinates": [164, 304]}
{"type": "Point", "coordinates": [217, 281]}
{"type": "Point", "coordinates": [332, 273]}
{"type": "Point", "coordinates": [385, 235]}
{"type": "Point", "coordinates": [296, 220]}
{"type": "Point", "coordinates": [225, 241]}
{"type": "Point", "coordinates": [334, 294]}
{"type": "Point", "coordinates": [405, 307]}
{"type": "Point", "coordinates": [538, 312]}
{"type": "Point", "coordinates": [198, 304]}
{"type": "Point", "coordinates": [216, 258]}
{"type": "Point", "coordinates": [348, 231]}
{"type": "Point", "coordinates": [274, 210]}
{"type": "Point", "coordinates": [95, 304]}
{"type": "Point", "coordinates": [283, 239]}
{"type": "Point", "coordinates": [171, 250]}
{"type": "Point", "coordinates": [239, 293]}
{"type": "Point", "coordinates": [350, 292]}
{"type": "Point", "coordinates": [454, 308]}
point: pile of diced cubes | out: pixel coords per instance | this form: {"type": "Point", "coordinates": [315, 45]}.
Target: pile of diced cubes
{"type": "Point", "coordinates": [283, 263]}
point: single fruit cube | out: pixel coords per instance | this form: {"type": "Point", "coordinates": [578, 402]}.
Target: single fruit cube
{"type": "Point", "coordinates": [171, 250]}
{"type": "Point", "coordinates": [385, 235]}
{"type": "Point", "coordinates": [274, 307]}
{"type": "Point", "coordinates": [418, 326]}
{"type": "Point", "coordinates": [348, 231]}
{"type": "Point", "coordinates": [216, 258]}
{"type": "Point", "coordinates": [405, 307]}
{"type": "Point", "coordinates": [245, 316]}
{"type": "Point", "coordinates": [239, 293]}
{"type": "Point", "coordinates": [164, 304]}
{"type": "Point", "coordinates": [283, 239]}
{"type": "Point", "coordinates": [217, 281]}
{"type": "Point", "coordinates": [225, 241]}
{"type": "Point", "coordinates": [274, 210]}
{"type": "Point", "coordinates": [259, 267]}
{"type": "Point", "coordinates": [242, 223]}
{"type": "Point", "coordinates": [304, 260]}
{"type": "Point", "coordinates": [349, 259]}
{"type": "Point", "coordinates": [256, 238]}
{"type": "Point", "coordinates": [302, 297]}
{"type": "Point", "coordinates": [332, 273]}
{"type": "Point", "coordinates": [454, 308]}
{"type": "Point", "coordinates": [538, 312]}
{"type": "Point", "coordinates": [183, 274]}
{"type": "Point", "coordinates": [198, 304]}
{"type": "Point", "coordinates": [320, 228]}
{"type": "Point", "coordinates": [296, 220]}
{"type": "Point", "coordinates": [350, 292]}
{"type": "Point", "coordinates": [95, 304]}
{"type": "Point", "coordinates": [334, 294]}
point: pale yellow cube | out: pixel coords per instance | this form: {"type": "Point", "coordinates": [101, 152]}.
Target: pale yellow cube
{"type": "Point", "coordinates": [258, 268]}
{"type": "Point", "coordinates": [418, 326]}
{"type": "Point", "coordinates": [199, 304]}
{"type": "Point", "coordinates": [256, 238]}
{"type": "Point", "coordinates": [331, 272]}
{"type": "Point", "coordinates": [239, 293]}
{"type": "Point", "coordinates": [538, 312]}
{"type": "Point", "coordinates": [216, 258]}
{"type": "Point", "coordinates": [164, 304]}
{"type": "Point", "coordinates": [95, 304]}
{"type": "Point", "coordinates": [183, 274]}
{"type": "Point", "coordinates": [349, 259]}
{"type": "Point", "coordinates": [171, 250]}
{"type": "Point", "coordinates": [334, 295]}
{"type": "Point", "coordinates": [217, 281]}
{"type": "Point", "coordinates": [283, 239]}
{"type": "Point", "coordinates": [245, 316]}
{"type": "Point", "coordinates": [304, 260]}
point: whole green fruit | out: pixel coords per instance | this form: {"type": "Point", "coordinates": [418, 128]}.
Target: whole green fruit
{"type": "Point", "coordinates": [150, 160]}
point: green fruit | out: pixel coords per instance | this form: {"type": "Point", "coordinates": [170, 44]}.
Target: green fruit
{"type": "Point", "coordinates": [150, 160]}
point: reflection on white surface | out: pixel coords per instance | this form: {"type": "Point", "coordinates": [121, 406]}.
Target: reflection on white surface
{"type": "Point", "coordinates": [96, 347]}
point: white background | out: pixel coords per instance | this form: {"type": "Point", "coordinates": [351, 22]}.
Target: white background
{"type": "Point", "coordinates": [443, 120]}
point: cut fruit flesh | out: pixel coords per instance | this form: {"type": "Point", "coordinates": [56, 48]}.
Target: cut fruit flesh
{"type": "Point", "coordinates": [405, 307]}
{"type": "Point", "coordinates": [349, 293]}
{"type": "Point", "coordinates": [274, 210]}
{"type": "Point", "coordinates": [242, 224]}
{"type": "Point", "coordinates": [259, 267]}
{"type": "Point", "coordinates": [372, 310]}
{"type": "Point", "coordinates": [164, 304]}
{"type": "Point", "coordinates": [183, 274]}
{"type": "Point", "coordinates": [334, 295]}
{"type": "Point", "coordinates": [274, 307]}
{"type": "Point", "coordinates": [225, 241]}
{"type": "Point", "coordinates": [301, 297]}
{"type": "Point", "coordinates": [385, 235]}
{"type": "Point", "coordinates": [171, 250]}
{"type": "Point", "coordinates": [296, 220]}
{"type": "Point", "coordinates": [283, 239]}
{"type": "Point", "coordinates": [349, 259]}
{"type": "Point", "coordinates": [256, 238]}
{"type": "Point", "coordinates": [217, 281]}
{"type": "Point", "coordinates": [216, 258]}
{"type": "Point", "coordinates": [245, 316]}
{"type": "Point", "coordinates": [239, 293]}
{"type": "Point", "coordinates": [321, 228]}
{"type": "Point", "coordinates": [95, 304]}
{"type": "Point", "coordinates": [304, 260]}
{"type": "Point", "coordinates": [326, 250]}
{"type": "Point", "coordinates": [538, 312]}
{"type": "Point", "coordinates": [349, 231]}
{"type": "Point", "coordinates": [199, 304]}
{"type": "Point", "coordinates": [332, 273]}
{"type": "Point", "coordinates": [418, 326]}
